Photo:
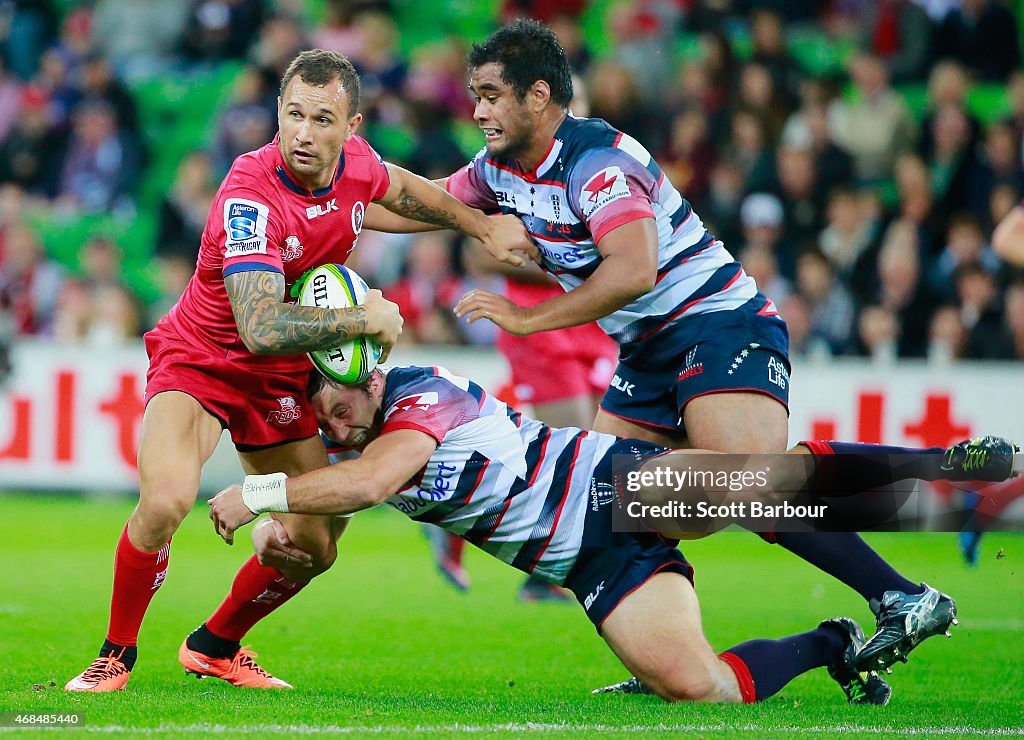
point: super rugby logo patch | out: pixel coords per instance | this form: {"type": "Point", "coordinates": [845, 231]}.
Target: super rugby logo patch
{"type": "Point", "coordinates": [607, 186]}
{"type": "Point", "coordinates": [245, 226]}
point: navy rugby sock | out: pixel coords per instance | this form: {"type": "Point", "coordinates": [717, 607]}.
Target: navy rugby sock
{"type": "Point", "coordinates": [771, 664]}
{"type": "Point", "coordinates": [852, 467]}
{"type": "Point", "coordinates": [848, 558]}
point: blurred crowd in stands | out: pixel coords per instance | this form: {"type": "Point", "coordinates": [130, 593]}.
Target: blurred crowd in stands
{"type": "Point", "coordinates": [859, 187]}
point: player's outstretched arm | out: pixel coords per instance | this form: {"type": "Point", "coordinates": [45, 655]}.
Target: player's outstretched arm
{"type": "Point", "coordinates": [628, 269]}
{"type": "Point", "coordinates": [379, 218]}
{"type": "Point", "coordinates": [476, 259]}
{"type": "Point", "coordinates": [346, 487]}
{"type": "Point", "coordinates": [269, 326]}
{"type": "Point", "coordinates": [419, 199]}
{"type": "Point", "coordinates": [1008, 238]}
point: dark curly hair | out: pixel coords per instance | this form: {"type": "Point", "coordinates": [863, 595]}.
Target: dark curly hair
{"type": "Point", "coordinates": [527, 51]}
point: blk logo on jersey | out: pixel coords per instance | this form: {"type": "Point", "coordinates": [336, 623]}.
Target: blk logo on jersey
{"type": "Point", "coordinates": [621, 385]}
{"type": "Point", "coordinates": [292, 249]}
{"type": "Point", "coordinates": [321, 209]}
{"type": "Point", "coordinates": [288, 412]}
{"type": "Point", "coordinates": [245, 225]}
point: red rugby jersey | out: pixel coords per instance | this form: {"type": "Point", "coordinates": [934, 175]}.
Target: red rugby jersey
{"type": "Point", "coordinates": [583, 341]}
{"type": "Point", "coordinates": [262, 219]}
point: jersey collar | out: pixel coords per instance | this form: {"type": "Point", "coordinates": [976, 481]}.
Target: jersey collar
{"type": "Point", "coordinates": [289, 182]}
{"type": "Point", "coordinates": [550, 156]}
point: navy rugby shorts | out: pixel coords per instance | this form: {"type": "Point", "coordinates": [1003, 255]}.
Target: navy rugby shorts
{"type": "Point", "coordinates": [611, 565]}
{"type": "Point", "coordinates": [714, 352]}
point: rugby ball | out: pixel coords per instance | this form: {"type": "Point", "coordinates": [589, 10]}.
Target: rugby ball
{"type": "Point", "coordinates": [336, 286]}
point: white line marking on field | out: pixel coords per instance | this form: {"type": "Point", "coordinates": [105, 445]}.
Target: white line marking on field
{"type": "Point", "coordinates": [530, 727]}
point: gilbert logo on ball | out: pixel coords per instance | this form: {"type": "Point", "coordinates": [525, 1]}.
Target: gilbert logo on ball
{"type": "Point", "coordinates": [336, 286]}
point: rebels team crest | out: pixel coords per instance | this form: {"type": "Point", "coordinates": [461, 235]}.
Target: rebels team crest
{"type": "Point", "coordinates": [692, 367]}
{"type": "Point", "coordinates": [288, 412]}
{"type": "Point", "coordinates": [292, 249]}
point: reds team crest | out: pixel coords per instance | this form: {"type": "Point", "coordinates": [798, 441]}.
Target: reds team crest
{"type": "Point", "coordinates": [292, 249]}
{"type": "Point", "coordinates": [288, 412]}
{"type": "Point", "coordinates": [358, 213]}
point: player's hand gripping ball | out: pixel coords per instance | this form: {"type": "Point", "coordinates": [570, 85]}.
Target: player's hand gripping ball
{"type": "Point", "coordinates": [336, 286]}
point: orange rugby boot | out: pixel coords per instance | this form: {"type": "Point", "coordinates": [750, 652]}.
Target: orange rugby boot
{"type": "Point", "coordinates": [241, 670]}
{"type": "Point", "coordinates": [106, 673]}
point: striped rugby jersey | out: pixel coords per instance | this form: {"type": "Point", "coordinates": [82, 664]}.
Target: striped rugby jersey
{"type": "Point", "coordinates": [510, 485]}
{"type": "Point", "coordinates": [593, 179]}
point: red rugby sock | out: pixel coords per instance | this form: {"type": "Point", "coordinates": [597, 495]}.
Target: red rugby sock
{"type": "Point", "coordinates": [455, 547]}
{"type": "Point", "coordinates": [137, 576]}
{"type": "Point", "coordinates": [256, 591]}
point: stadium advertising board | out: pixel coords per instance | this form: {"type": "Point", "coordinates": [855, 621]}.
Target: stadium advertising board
{"type": "Point", "coordinates": [69, 417]}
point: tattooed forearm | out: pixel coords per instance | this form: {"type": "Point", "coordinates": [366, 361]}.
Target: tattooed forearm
{"type": "Point", "coordinates": [268, 326]}
{"type": "Point", "coordinates": [412, 207]}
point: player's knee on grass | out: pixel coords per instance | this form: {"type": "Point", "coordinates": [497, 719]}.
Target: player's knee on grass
{"type": "Point", "coordinates": [656, 632]}
{"type": "Point", "coordinates": [689, 684]}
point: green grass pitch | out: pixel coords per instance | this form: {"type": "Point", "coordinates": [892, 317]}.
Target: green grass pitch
{"type": "Point", "coordinates": [380, 645]}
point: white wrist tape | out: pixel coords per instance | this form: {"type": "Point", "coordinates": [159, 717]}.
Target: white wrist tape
{"type": "Point", "coordinates": [265, 493]}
